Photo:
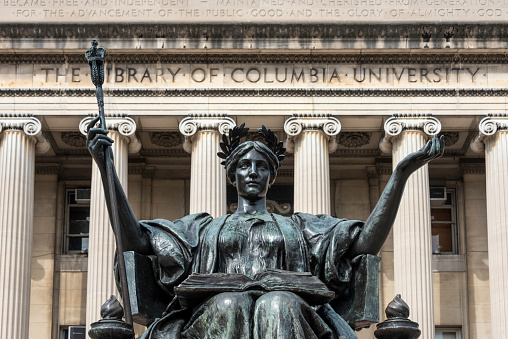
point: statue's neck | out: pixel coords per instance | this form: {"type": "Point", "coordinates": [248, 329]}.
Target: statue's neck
{"type": "Point", "coordinates": [251, 207]}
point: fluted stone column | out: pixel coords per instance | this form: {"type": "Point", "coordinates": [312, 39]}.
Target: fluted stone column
{"type": "Point", "coordinates": [412, 244]}
{"type": "Point", "coordinates": [20, 138]}
{"type": "Point", "coordinates": [101, 242]}
{"type": "Point", "coordinates": [493, 139]}
{"type": "Point", "coordinates": [208, 177]}
{"type": "Point", "coordinates": [312, 138]}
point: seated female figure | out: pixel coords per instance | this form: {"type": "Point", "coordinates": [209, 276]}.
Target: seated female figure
{"type": "Point", "coordinates": [252, 241]}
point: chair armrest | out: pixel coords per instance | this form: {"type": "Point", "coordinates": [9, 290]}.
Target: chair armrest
{"type": "Point", "coordinates": [361, 309]}
{"type": "Point", "coordinates": [148, 299]}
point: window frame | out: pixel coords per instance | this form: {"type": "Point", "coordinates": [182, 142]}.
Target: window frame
{"type": "Point", "coordinates": [453, 223]}
{"type": "Point", "coordinates": [67, 210]}
{"type": "Point", "coordinates": [456, 330]}
{"type": "Point", "coordinates": [64, 330]}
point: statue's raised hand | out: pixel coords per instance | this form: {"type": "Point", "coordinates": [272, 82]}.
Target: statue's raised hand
{"type": "Point", "coordinates": [97, 141]}
{"type": "Point", "coordinates": [432, 150]}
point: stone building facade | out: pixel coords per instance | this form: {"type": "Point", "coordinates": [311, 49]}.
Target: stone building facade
{"type": "Point", "coordinates": [351, 86]}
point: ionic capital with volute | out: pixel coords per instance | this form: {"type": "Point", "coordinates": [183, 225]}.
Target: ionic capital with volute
{"type": "Point", "coordinates": [489, 126]}
{"type": "Point", "coordinates": [190, 125]}
{"type": "Point", "coordinates": [398, 123]}
{"type": "Point", "coordinates": [319, 122]}
{"type": "Point", "coordinates": [124, 125]}
{"type": "Point", "coordinates": [28, 124]}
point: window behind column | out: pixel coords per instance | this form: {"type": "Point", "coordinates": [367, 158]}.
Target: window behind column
{"type": "Point", "coordinates": [448, 333]}
{"type": "Point", "coordinates": [73, 332]}
{"type": "Point", "coordinates": [77, 220]}
{"type": "Point", "coordinates": [444, 224]}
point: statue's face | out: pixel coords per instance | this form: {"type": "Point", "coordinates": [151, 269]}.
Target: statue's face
{"type": "Point", "coordinates": [252, 177]}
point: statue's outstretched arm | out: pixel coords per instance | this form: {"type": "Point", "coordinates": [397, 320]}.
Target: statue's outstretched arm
{"type": "Point", "coordinates": [132, 236]}
{"type": "Point", "coordinates": [380, 222]}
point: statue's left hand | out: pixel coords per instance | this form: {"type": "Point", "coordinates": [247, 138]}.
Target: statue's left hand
{"type": "Point", "coordinates": [432, 150]}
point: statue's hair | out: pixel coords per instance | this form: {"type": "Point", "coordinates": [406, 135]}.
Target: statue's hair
{"type": "Point", "coordinates": [246, 147]}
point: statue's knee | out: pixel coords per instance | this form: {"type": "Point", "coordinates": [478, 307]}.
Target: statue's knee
{"type": "Point", "coordinates": [275, 302]}
{"type": "Point", "coordinates": [232, 301]}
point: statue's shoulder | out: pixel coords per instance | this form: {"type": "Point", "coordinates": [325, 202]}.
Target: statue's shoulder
{"type": "Point", "coordinates": [186, 222]}
{"type": "Point", "coordinates": [307, 217]}
{"type": "Point", "coordinates": [283, 218]}
{"type": "Point", "coordinates": [299, 217]}
{"type": "Point", "coordinates": [318, 222]}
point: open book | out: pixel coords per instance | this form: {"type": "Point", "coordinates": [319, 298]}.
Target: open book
{"type": "Point", "coordinates": [199, 287]}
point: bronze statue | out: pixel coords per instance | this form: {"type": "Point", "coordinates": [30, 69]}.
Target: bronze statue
{"type": "Point", "coordinates": [256, 244]}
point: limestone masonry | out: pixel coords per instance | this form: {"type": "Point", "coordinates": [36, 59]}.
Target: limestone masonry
{"type": "Point", "coordinates": [254, 11]}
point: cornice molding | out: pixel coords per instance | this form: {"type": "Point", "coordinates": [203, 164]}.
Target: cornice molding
{"type": "Point", "coordinates": [255, 92]}
{"type": "Point", "coordinates": [356, 153]}
{"type": "Point", "coordinates": [163, 153]}
{"type": "Point", "coordinates": [149, 58]}
{"type": "Point", "coordinates": [426, 32]}
{"type": "Point", "coordinates": [471, 168]}
{"type": "Point", "coordinates": [384, 168]}
{"type": "Point", "coordinates": [285, 172]}
{"type": "Point", "coordinates": [146, 172]}
{"type": "Point", "coordinates": [48, 168]}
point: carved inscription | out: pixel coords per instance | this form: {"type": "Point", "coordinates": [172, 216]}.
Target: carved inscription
{"type": "Point", "coordinates": [258, 75]}
{"type": "Point", "coordinates": [253, 10]}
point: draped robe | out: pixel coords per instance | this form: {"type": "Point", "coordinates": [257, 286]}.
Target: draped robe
{"type": "Point", "coordinates": [312, 243]}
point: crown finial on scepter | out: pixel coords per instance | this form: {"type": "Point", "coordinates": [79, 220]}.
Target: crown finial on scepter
{"type": "Point", "coordinates": [95, 56]}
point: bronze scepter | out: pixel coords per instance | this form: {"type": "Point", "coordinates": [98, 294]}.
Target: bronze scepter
{"type": "Point", "coordinates": [95, 57]}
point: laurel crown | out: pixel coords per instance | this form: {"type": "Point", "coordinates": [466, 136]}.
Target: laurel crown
{"type": "Point", "coordinates": [232, 141]}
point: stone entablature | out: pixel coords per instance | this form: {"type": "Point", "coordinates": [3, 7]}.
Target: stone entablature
{"type": "Point", "coordinates": [433, 32]}
{"type": "Point", "coordinates": [450, 57]}
{"type": "Point", "coordinates": [168, 37]}
{"type": "Point", "coordinates": [253, 11]}
{"type": "Point", "coordinates": [330, 75]}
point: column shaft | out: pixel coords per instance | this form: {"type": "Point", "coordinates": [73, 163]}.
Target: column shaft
{"type": "Point", "coordinates": [312, 173]}
{"type": "Point", "coordinates": [496, 167]}
{"type": "Point", "coordinates": [412, 238]}
{"type": "Point", "coordinates": [17, 170]}
{"type": "Point", "coordinates": [208, 178]}
{"type": "Point", "coordinates": [102, 247]}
